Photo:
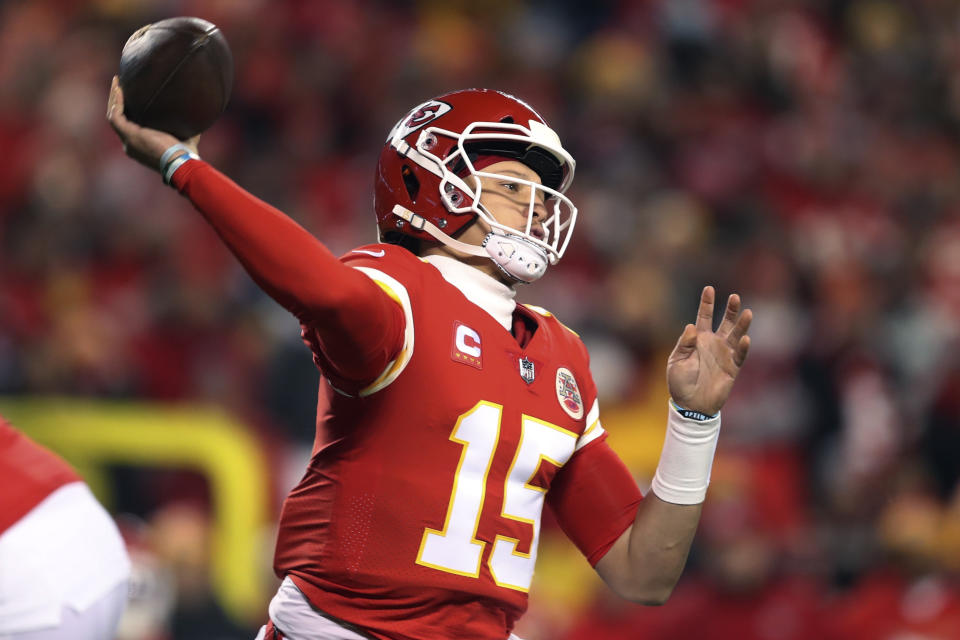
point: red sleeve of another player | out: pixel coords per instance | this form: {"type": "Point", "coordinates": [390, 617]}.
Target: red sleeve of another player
{"type": "Point", "coordinates": [594, 498]}
{"type": "Point", "coordinates": [358, 326]}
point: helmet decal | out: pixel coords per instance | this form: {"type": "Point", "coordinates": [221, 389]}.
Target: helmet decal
{"type": "Point", "coordinates": [427, 112]}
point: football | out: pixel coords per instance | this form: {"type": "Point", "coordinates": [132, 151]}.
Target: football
{"type": "Point", "coordinates": [176, 76]}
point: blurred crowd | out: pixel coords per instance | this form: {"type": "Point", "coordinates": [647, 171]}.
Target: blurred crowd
{"type": "Point", "coordinates": [805, 154]}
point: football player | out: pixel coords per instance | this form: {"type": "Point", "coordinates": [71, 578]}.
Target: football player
{"type": "Point", "coordinates": [63, 564]}
{"type": "Point", "coordinates": [455, 413]}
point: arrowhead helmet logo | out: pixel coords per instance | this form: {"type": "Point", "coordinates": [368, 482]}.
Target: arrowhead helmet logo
{"type": "Point", "coordinates": [426, 112]}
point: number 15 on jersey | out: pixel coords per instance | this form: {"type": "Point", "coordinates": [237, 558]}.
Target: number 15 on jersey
{"type": "Point", "coordinates": [455, 548]}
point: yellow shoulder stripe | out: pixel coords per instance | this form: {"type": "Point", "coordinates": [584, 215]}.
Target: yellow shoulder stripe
{"type": "Point", "coordinates": [398, 293]}
{"type": "Point", "coordinates": [390, 292]}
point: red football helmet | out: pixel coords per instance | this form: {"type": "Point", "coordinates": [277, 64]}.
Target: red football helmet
{"type": "Point", "coordinates": [422, 189]}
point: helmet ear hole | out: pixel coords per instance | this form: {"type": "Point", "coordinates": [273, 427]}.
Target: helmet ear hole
{"type": "Point", "coordinates": [410, 182]}
{"type": "Point", "coordinates": [507, 119]}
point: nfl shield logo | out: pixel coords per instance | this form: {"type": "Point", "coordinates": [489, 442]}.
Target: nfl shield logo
{"type": "Point", "coordinates": [526, 370]}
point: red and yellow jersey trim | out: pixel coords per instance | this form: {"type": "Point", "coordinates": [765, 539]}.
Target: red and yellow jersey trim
{"type": "Point", "coordinates": [594, 429]}
{"type": "Point", "coordinates": [398, 293]}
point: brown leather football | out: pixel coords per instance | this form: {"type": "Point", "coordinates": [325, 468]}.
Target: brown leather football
{"type": "Point", "coordinates": [176, 76]}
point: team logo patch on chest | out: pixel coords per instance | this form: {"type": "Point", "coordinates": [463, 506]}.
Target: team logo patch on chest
{"type": "Point", "coordinates": [568, 394]}
{"type": "Point", "coordinates": [466, 346]}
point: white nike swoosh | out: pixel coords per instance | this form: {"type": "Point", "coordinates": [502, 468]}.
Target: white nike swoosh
{"type": "Point", "coordinates": [375, 254]}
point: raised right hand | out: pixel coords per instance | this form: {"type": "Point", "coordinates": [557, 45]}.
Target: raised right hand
{"type": "Point", "coordinates": [144, 145]}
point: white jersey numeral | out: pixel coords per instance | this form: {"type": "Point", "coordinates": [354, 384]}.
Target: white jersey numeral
{"type": "Point", "coordinates": [523, 501]}
{"type": "Point", "coordinates": [455, 549]}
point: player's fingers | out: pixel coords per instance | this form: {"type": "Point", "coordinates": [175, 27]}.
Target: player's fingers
{"type": "Point", "coordinates": [111, 97]}
{"type": "Point", "coordinates": [115, 116]}
{"type": "Point", "coordinates": [740, 328]}
{"type": "Point", "coordinates": [115, 100]}
{"type": "Point", "coordinates": [129, 132]}
{"type": "Point", "coordinates": [743, 347]}
{"type": "Point", "coordinates": [730, 315]}
{"type": "Point", "coordinates": [687, 341]}
{"type": "Point", "coordinates": [705, 312]}
{"type": "Point", "coordinates": [115, 107]}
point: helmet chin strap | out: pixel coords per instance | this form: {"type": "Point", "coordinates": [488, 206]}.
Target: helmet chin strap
{"type": "Point", "coordinates": [422, 224]}
{"type": "Point", "coordinates": [514, 255]}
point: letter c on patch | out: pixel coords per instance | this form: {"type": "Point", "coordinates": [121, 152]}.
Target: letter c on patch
{"type": "Point", "coordinates": [468, 341]}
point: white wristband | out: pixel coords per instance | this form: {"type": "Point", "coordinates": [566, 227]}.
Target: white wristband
{"type": "Point", "coordinates": [175, 164]}
{"type": "Point", "coordinates": [683, 474]}
{"type": "Point", "coordinates": [174, 158]}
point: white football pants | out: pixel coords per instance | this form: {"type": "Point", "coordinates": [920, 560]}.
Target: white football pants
{"type": "Point", "coordinates": [98, 622]}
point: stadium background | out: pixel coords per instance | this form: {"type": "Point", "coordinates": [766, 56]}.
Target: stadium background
{"type": "Point", "coordinates": [804, 154]}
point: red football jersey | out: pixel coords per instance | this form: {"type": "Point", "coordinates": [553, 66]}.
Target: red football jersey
{"type": "Point", "coordinates": [420, 509]}
{"type": "Point", "coordinates": [30, 473]}
{"type": "Point", "coordinates": [419, 513]}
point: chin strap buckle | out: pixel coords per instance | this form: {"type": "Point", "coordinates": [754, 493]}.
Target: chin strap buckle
{"type": "Point", "coordinates": [422, 224]}
{"type": "Point", "coordinates": [416, 221]}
